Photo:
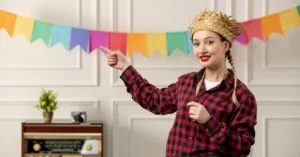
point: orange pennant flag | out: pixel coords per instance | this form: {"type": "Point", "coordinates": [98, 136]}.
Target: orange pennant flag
{"type": "Point", "coordinates": [136, 42]}
{"type": "Point", "coordinates": [24, 26]}
{"type": "Point", "coordinates": [289, 18]}
{"type": "Point", "coordinates": [7, 21]}
{"type": "Point", "coordinates": [271, 24]}
{"type": "Point", "coordinates": [157, 42]}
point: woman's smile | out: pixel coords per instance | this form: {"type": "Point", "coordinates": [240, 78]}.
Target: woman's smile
{"type": "Point", "coordinates": [204, 58]}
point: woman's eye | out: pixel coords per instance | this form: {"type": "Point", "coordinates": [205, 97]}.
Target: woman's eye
{"type": "Point", "coordinates": [196, 44]}
{"type": "Point", "coordinates": [209, 42]}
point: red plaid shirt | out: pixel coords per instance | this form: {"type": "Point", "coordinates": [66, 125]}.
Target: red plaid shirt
{"type": "Point", "coordinates": [230, 131]}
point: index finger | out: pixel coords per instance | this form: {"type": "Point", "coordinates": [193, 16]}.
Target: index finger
{"type": "Point", "coordinates": [193, 104]}
{"type": "Point", "coordinates": [108, 51]}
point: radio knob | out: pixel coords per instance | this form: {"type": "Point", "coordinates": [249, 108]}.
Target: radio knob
{"type": "Point", "coordinates": [36, 147]}
{"type": "Point", "coordinates": [88, 147]}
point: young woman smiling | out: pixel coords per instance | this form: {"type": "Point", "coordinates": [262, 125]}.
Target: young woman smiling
{"type": "Point", "coordinates": [215, 112]}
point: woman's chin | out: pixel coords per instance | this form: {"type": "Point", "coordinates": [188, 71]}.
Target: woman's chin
{"type": "Point", "coordinates": [204, 64]}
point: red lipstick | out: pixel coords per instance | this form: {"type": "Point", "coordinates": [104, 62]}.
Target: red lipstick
{"type": "Point", "coordinates": [204, 58]}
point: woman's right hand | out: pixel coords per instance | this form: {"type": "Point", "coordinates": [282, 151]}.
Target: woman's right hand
{"type": "Point", "coordinates": [116, 59]}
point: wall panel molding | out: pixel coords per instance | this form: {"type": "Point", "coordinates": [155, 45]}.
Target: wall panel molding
{"type": "Point", "coordinates": [78, 52]}
{"type": "Point", "coordinates": [116, 82]}
{"type": "Point", "coordinates": [265, 47]}
{"type": "Point", "coordinates": [265, 128]}
{"type": "Point", "coordinates": [15, 105]}
{"type": "Point", "coordinates": [127, 127]}
{"type": "Point", "coordinates": [253, 82]}
{"type": "Point", "coordinates": [68, 82]}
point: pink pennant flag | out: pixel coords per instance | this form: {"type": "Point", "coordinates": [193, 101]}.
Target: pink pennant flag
{"type": "Point", "coordinates": [253, 28]}
{"type": "Point", "coordinates": [241, 39]}
{"type": "Point", "coordinates": [98, 38]}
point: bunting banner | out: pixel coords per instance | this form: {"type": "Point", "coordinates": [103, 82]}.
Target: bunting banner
{"type": "Point", "coordinates": [131, 42]}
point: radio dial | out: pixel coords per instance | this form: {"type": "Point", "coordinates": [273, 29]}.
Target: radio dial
{"type": "Point", "coordinates": [88, 147]}
{"type": "Point", "coordinates": [36, 147]}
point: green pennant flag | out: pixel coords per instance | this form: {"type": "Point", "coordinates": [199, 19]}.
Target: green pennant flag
{"type": "Point", "coordinates": [41, 30]}
{"type": "Point", "coordinates": [176, 40]}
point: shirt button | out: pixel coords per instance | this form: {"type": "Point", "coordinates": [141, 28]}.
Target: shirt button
{"type": "Point", "coordinates": [207, 130]}
{"type": "Point", "coordinates": [190, 137]}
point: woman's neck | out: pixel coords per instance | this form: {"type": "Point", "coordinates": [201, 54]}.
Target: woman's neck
{"type": "Point", "coordinates": [215, 74]}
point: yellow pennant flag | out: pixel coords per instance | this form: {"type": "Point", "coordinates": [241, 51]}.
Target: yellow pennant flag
{"type": "Point", "coordinates": [289, 18]}
{"type": "Point", "coordinates": [157, 42]}
{"type": "Point", "coordinates": [136, 42]}
{"type": "Point", "coordinates": [24, 26]}
{"type": "Point", "coordinates": [7, 21]}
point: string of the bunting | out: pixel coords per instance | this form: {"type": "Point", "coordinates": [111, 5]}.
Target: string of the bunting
{"type": "Point", "coordinates": [130, 42]}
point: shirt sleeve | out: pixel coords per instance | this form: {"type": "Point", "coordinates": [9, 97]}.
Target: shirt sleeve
{"type": "Point", "coordinates": [240, 135]}
{"type": "Point", "coordinates": [158, 101]}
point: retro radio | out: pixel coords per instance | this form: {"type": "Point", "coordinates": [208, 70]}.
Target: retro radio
{"type": "Point", "coordinates": [62, 139]}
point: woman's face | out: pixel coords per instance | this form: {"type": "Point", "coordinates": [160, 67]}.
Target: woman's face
{"type": "Point", "coordinates": [209, 49]}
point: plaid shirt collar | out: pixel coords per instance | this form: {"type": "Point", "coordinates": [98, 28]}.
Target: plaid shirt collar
{"type": "Point", "coordinates": [228, 80]}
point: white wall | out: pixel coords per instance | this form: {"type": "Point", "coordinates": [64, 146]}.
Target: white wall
{"type": "Point", "coordinates": [85, 82]}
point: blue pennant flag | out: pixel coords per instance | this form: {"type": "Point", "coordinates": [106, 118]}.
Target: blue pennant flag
{"type": "Point", "coordinates": [189, 43]}
{"type": "Point", "coordinates": [61, 34]}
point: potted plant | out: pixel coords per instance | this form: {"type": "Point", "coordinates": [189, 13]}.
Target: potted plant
{"type": "Point", "coordinates": [48, 104]}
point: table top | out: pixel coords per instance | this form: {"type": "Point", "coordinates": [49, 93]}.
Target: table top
{"type": "Point", "coordinates": [60, 122]}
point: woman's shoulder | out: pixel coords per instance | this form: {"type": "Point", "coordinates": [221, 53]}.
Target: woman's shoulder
{"type": "Point", "coordinates": [243, 89]}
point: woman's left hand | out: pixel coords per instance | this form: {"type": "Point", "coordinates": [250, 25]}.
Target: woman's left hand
{"type": "Point", "coordinates": [198, 112]}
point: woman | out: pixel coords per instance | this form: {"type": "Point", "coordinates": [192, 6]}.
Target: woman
{"type": "Point", "coordinates": [215, 112]}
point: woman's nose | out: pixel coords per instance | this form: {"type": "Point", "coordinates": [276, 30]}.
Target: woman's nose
{"type": "Point", "coordinates": [202, 49]}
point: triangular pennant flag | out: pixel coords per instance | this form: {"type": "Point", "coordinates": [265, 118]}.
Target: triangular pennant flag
{"type": "Point", "coordinates": [61, 34]}
{"type": "Point", "coordinates": [80, 37]}
{"type": "Point", "coordinates": [176, 40]}
{"type": "Point", "coordinates": [289, 18]}
{"type": "Point", "coordinates": [41, 30]}
{"type": "Point", "coordinates": [98, 38]}
{"type": "Point", "coordinates": [137, 42]}
{"type": "Point", "coordinates": [118, 41]}
{"type": "Point", "coordinates": [241, 39]}
{"type": "Point", "coordinates": [271, 24]}
{"type": "Point", "coordinates": [7, 21]}
{"type": "Point", "coordinates": [189, 43]}
{"type": "Point", "coordinates": [253, 29]}
{"type": "Point", "coordinates": [24, 26]}
{"type": "Point", "coordinates": [157, 42]}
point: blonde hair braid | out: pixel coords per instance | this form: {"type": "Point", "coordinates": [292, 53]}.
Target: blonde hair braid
{"type": "Point", "coordinates": [230, 59]}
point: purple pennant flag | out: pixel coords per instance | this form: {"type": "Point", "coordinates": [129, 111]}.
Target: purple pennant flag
{"type": "Point", "coordinates": [98, 38]}
{"type": "Point", "coordinates": [241, 39]}
{"type": "Point", "coordinates": [80, 37]}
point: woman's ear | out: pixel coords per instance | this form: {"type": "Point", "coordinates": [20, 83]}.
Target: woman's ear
{"type": "Point", "coordinates": [227, 46]}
